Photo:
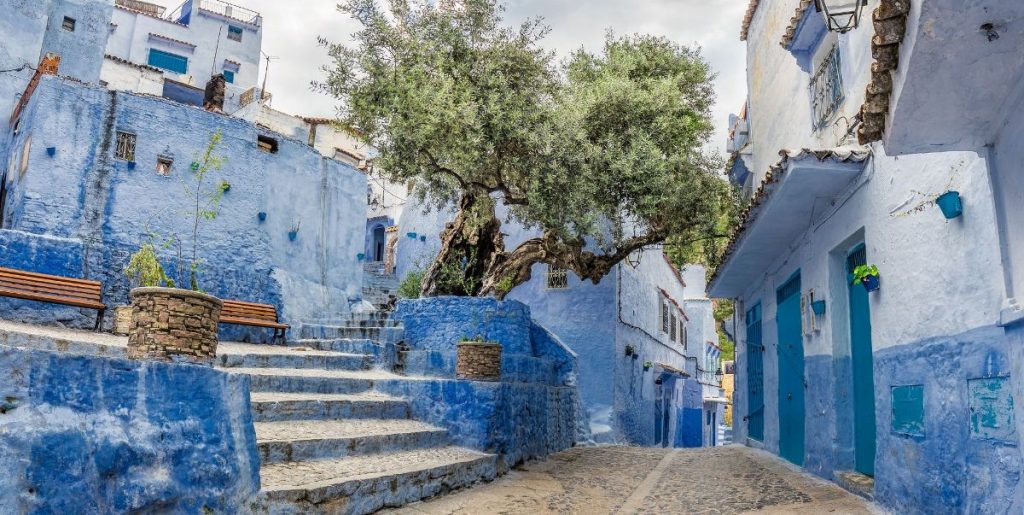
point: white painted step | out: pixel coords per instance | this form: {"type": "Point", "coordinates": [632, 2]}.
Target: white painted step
{"type": "Point", "coordinates": [322, 439]}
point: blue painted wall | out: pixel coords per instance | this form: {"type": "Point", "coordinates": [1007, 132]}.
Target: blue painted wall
{"type": "Point", "coordinates": [533, 411]}
{"type": "Point", "coordinates": [83, 193]}
{"type": "Point", "coordinates": [76, 434]}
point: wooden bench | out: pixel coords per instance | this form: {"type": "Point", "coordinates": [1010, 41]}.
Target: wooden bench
{"type": "Point", "coordinates": [55, 289]}
{"type": "Point", "coordinates": [251, 313]}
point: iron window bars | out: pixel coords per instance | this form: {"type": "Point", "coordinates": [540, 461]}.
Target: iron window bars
{"type": "Point", "coordinates": [827, 89]}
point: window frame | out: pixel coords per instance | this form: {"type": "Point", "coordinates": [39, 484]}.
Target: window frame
{"type": "Point", "coordinates": [129, 141]}
{"type": "Point", "coordinates": [162, 160]}
{"type": "Point", "coordinates": [235, 30]}
{"type": "Point", "coordinates": [70, 27]}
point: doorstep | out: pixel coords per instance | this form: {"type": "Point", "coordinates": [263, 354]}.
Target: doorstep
{"type": "Point", "coordinates": [857, 483]}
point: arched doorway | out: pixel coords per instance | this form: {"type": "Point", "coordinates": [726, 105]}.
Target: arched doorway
{"type": "Point", "coordinates": [378, 240]}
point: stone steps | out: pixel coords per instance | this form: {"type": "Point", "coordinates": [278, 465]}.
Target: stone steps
{"type": "Point", "coordinates": [329, 439]}
{"type": "Point", "coordinates": [319, 439]}
{"type": "Point", "coordinates": [279, 406]}
{"type": "Point", "coordinates": [364, 484]}
{"type": "Point", "coordinates": [328, 332]}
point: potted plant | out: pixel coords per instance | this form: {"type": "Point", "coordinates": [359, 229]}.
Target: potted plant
{"type": "Point", "coordinates": [647, 365]}
{"type": "Point", "coordinates": [170, 323]}
{"type": "Point", "coordinates": [630, 350]}
{"type": "Point", "coordinates": [478, 360]}
{"type": "Point", "coordinates": [950, 204]}
{"type": "Point", "coordinates": [294, 231]}
{"type": "Point", "coordinates": [866, 275]}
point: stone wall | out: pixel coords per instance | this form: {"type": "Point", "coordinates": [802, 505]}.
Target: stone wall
{"type": "Point", "coordinates": [112, 435]}
{"type": "Point", "coordinates": [479, 361]}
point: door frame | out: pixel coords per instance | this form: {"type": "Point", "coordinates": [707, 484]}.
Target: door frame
{"type": "Point", "coordinates": [864, 423]}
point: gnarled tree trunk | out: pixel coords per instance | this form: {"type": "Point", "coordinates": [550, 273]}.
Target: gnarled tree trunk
{"type": "Point", "coordinates": [469, 245]}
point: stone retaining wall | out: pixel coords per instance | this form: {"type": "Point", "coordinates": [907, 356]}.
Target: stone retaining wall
{"type": "Point", "coordinates": [479, 361]}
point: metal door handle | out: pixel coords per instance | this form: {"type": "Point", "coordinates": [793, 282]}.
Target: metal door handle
{"type": "Point", "coordinates": [789, 396]}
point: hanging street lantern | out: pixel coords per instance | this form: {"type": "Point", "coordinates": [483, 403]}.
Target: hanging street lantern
{"type": "Point", "coordinates": [718, 375]}
{"type": "Point", "coordinates": [841, 16]}
{"type": "Point", "coordinates": [633, 258]}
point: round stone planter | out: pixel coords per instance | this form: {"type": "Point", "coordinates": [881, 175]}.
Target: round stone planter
{"type": "Point", "coordinates": [478, 361]}
{"type": "Point", "coordinates": [122, 320]}
{"type": "Point", "coordinates": [170, 324]}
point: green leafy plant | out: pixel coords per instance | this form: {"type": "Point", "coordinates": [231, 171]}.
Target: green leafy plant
{"type": "Point", "coordinates": [647, 365]}
{"type": "Point", "coordinates": [409, 288]}
{"type": "Point", "coordinates": [630, 350]}
{"type": "Point", "coordinates": [204, 200]}
{"type": "Point", "coordinates": [144, 268]}
{"type": "Point", "coordinates": [862, 272]}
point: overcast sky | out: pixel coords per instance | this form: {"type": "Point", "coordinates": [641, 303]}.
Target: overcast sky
{"type": "Point", "coordinates": [290, 29]}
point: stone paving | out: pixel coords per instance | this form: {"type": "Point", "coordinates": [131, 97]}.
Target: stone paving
{"type": "Point", "coordinates": [597, 480]}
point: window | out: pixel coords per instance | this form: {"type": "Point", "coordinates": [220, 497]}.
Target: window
{"type": "Point", "coordinates": [234, 33]}
{"type": "Point", "coordinates": [229, 76]}
{"type": "Point", "coordinates": [827, 89]}
{"type": "Point", "coordinates": [673, 324]}
{"type": "Point", "coordinates": [168, 61]}
{"type": "Point", "coordinates": [558, 278]}
{"type": "Point", "coordinates": [163, 165]}
{"type": "Point", "coordinates": [69, 24]}
{"type": "Point", "coordinates": [682, 334]}
{"type": "Point", "coordinates": [125, 149]}
{"type": "Point", "coordinates": [664, 314]}
{"type": "Point", "coordinates": [267, 144]}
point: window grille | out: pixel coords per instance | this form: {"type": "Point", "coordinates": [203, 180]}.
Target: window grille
{"type": "Point", "coordinates": [672, 327]}
{"type": "Point", "coordinates": [682, 334]}
{"type": "Point", "coordinates": [827, 89]}
{"type": "Point", "coordinates": [558, 278]}
{"type": "Point", "coordinates": [163, 166]}
{"type": "Point", "coordinates": [234, 33]}
{"type": "Point", "coordinates": [664, 315]}
{"type": "Point", "coordinates": [125, 149]}
{"type": "Point", "coordinates": [68, 24]}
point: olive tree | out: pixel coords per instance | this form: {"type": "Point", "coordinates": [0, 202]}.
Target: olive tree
{"type": "Point", "coordinates": [601, 155]}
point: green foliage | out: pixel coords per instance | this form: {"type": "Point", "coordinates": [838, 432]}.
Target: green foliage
{"type": "Point", "coordinates": [506, 285]}
{"type": "Point", "coordinates": [411, 285]}
{"type": "Point", "coordinates": [204, 203]}
{"type": "Point", "coordinates": [144, 268]}
{"type": "Point", "coordinates": [863, 272]}
{"type": "Point", "coordinates": [452, 278]}
{"type": "Point", "coordinates": [707, 245]}
{"type": "Point", "coordinates": [467, 106]}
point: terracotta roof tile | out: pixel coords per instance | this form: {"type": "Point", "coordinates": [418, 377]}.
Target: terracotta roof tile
{"type": "Point", "coordinates": [135, 65]}
{"type": "Point", "coordinates": [890, 23]}
{"type": "Point", "coordinates": [794, 22]}
{"type": "Point", "coordinates": [747, 18]}
{"type": "Point", "coordinates": [171, 40]}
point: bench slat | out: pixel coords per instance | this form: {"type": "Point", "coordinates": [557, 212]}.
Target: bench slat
{"type": "Point", "coordinates": [59, 279]}
{"type": "Point", "coordinates": [54, 289]}
{"type": "Point", "coordinates": [67, 301]}
{"type": "Point", "coordinates": [247, 309]}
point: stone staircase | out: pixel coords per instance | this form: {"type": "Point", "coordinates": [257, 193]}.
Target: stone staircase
{"type": "Point", "coordinates": [329, 441]}
{"type": "Point", "coordinates": [724, 436]}
{"type": "Point", "coordinates": [378, 286]}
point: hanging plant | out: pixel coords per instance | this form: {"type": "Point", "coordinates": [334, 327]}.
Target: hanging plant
{"type": "Point", "coordinates": [294, 231]}
{"type": "Point", "coordinates": [647, 365]}
{"type": "Point", "coordinates": [866, 275]}
{"type": "Point", "coordinates": [950, 204]}
{"type": "Point", "coordinates": [630, 350]}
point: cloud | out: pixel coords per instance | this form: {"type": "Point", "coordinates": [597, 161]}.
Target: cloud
{"type": "Point", "coordinates": [290, 30]}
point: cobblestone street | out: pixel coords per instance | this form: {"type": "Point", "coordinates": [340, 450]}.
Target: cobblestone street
{"type": "Point", "coordinates": [595, 480]}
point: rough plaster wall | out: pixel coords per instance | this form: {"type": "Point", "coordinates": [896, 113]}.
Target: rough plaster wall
{"type": "Point", "coordinates": [120, 76]}
{"type": "Point", "coordinates": [103, 201]}
{"type": "Point", "coordinates": [114, 435]}
{"type": "Point", "coordinates": [779, 93]}
{"type": "Point", "coordinates": [411, 253]}
{"type": "Point", "coordinates": [81, 51]}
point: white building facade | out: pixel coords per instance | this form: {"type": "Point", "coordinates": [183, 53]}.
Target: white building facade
{"type": "Point", "coordinates": [846, 146]}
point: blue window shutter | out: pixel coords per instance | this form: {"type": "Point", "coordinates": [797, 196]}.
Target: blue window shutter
{"type": "Point", "coordinates": [168, 61]}
{"type": "Point", "coordinates": [229, 76]}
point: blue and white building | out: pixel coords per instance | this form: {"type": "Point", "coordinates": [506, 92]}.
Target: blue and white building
{"type": "Point", "coordinates": [93, 164]}
{"type": "Point", "coordinates": [645, 338]}
{"type": "Point", "coordinates": [844, 146]}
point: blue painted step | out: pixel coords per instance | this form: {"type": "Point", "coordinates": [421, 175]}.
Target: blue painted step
{"type": "Point", "coordinates": [315, 440]}
{"type": "Point", "coordinates": [297, 359]}
{"type": "Point", "coordinates": [278, 406]}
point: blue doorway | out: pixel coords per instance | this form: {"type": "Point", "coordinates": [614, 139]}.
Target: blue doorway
{"type": "Point", "coordinates": [755, 375]}
{"type": "Point", "coordinates": [791, 372]}
{"type": "Point", "coordinates": [863, 369]}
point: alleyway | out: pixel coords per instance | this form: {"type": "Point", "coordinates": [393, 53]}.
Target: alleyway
{"type": "Point", "coordinates": [597, 480]}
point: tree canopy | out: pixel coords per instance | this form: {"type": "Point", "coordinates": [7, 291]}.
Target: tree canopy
{"type": "Point", "coordinates": [602, 154]}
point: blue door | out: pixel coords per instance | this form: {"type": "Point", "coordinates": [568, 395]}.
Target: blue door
{"type": "Point", "coordinates": [755, 375]}
{"type": "Point", "coordinates": [791, 372]}
{"type": "Point", "coordinates": [863, 373]}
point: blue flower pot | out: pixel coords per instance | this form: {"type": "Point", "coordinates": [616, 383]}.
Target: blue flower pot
{"type": "Point", "coordinates": [51, 151]}
{"type": "Point", "coordinates": [360, 256]}
{"type": "Point", "coordinates": [131, 165]}
{"type": "Point", "coordinates": [411, 235]}
{"type": "Point", "coordinates": [423, 238]}
{"type": "Point", "coordinates": [819, 307]}
{"type": "Point", "coordinates": [262, 216]}
{"type": "Point", "coordinates": [950, 204]}
{"type": "Point", "coordinates": [292, 235]}
{"type": "Point", "coordinates": [870, 283]}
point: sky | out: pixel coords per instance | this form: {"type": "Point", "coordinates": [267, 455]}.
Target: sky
{"type": "Point", "coordinates": [291, 27]}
